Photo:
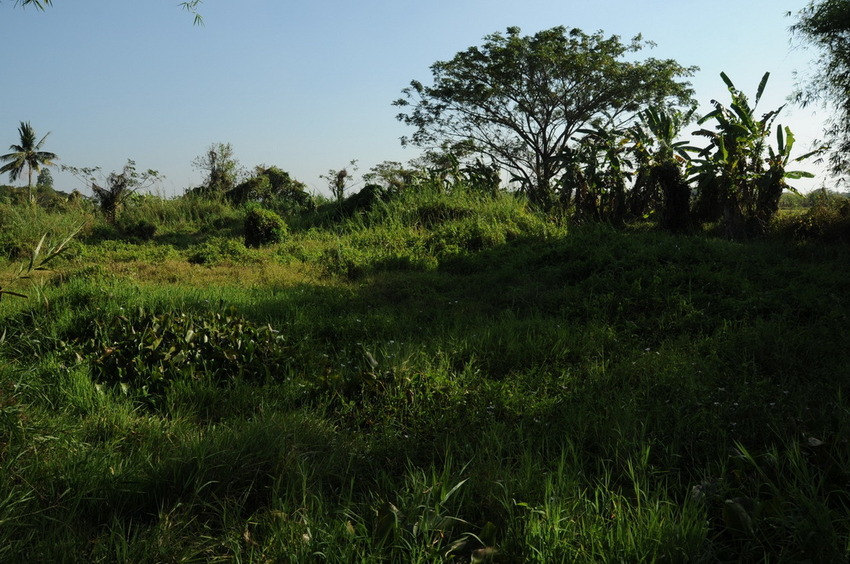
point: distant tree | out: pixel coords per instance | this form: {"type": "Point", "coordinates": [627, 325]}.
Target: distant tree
{"type": "Point", "coordinates": [28, 154]}
{"type": "Point", "coordinates": [826, 25]}
{"type": "Point", "coordinates": [117, 186]}
{"type": "Point", "coordinates": [456, 165]}
{"type": "Point", "coordinates": [220, 167]}
{"type": "Point", "coordinates": [392, 176]}
{"type": "Point", "coordinates": [45, 179]}
{"type": "Point", "coordinates": [274, 188]}
{"type": "Point", "coordinates": [521, 100]}
{"type": "Point", "coordinates": [340, 180]}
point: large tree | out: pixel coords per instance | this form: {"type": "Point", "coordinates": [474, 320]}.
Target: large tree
{"type": "Point", "coordinates": [28, 154]}
{"type": "Point", "coordinates": [522, 100]}
{"type": "Point", "coordinates": [826, 25]}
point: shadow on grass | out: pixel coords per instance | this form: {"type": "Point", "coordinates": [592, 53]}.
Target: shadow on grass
{"type": "Point", "coordinates": [583, 358]}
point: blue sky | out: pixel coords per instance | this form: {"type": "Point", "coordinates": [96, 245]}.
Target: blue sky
{"type": "Point", "coordinates": [308, 86]}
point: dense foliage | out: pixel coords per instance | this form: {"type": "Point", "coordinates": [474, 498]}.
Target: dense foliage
{"type": "Point", "coordinates": [584, 132]}
{"type": "Point", "coordinates": [825, 24]}
{"type": "Point", "coordinates": [274, 188]}
{"type": "Point", "coordinates": [142, 353]}
{"type": "Point", "coordinates": [734, 175]}
{"type": "Point", "coordinates": [522, 100]}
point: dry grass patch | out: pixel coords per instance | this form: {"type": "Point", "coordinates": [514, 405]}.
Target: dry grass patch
{"type": "Point", "coordinates": [181, 273]}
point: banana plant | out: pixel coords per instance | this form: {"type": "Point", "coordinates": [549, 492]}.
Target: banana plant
{"type": "Point", "coordinates": [772, 182]}
{"type": "Point", "coordinates": [598, 168]}
{"type": "Point", "coordinates": [734, 178]}
{"type": "Point", "coordinates": [659, 182]}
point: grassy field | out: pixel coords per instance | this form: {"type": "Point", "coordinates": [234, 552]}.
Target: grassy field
{"type": "Point", "coordinates": [448, 377]}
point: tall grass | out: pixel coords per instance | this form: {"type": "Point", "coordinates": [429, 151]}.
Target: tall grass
{"type": "Point", "coordinates": [23, 226]}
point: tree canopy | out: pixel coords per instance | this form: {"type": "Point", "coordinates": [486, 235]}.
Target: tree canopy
{"type": "Point", "coordinates": [522, 100]}
{"type": "Point", "coordinates": [825, 24]}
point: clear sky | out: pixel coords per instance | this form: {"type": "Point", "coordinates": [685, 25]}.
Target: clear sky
{"type": "Point", "coordinates": [308, 85]}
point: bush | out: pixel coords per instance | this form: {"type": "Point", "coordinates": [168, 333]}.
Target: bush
{"type": "Point", "coordinates": [827, 220]}
{"type": "Point", "coordinates": [364, 200]}
{"type": "Point", "coordinates": [218, 250]}
{"type": "Point", "coordinates": [142, 229]}
{"type": "Point", "coordinates": [263, 227]}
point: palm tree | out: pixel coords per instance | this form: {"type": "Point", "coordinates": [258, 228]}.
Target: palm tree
{"type": "Point", "coordinates": [27, 154]}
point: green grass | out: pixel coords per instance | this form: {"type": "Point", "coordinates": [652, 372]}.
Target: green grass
{"type": "Point", "coordinates": [452, 378]}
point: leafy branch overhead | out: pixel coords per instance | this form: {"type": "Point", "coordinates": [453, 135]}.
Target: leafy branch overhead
{"type": "Point", "coordinates": [190, 6]}
{"type": "Point", "coordinates": [825, 24]}
{"type": "Point", "coordinates": [40, 4]}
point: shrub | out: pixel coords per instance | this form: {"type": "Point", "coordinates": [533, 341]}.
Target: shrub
{"type": "Point", "coordinates": [275, 189]}
{"type": "Point", "coordinates": [263, 227]}
{"type": "Point", "coordinates": [218, 250]}
{"type": "Point", "coordinates": [828, 220]}
{"type": "Point", "coordinates": [364, 200]}
{"type": "Point", "coordinates": [142, 229]}
{"type": "Point", "coordinates": [345, 260]}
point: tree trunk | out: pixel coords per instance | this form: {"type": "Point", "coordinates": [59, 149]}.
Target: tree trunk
{"type": "Point", "coordinates": [767, 202]}
{"type": "Point", "coordinates": [734, 221]}
{"type": "Point", "coordinates": [618, 203]}
{"type": "Point", "coordinates": [676, 206]}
